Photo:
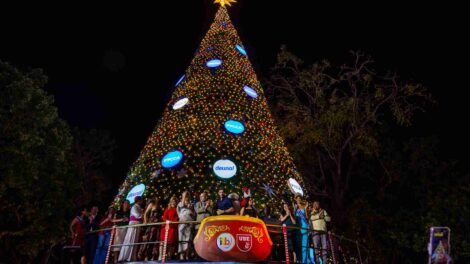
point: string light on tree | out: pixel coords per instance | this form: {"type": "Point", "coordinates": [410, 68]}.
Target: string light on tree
{"type": "Point", "coordinates": [216, 130]}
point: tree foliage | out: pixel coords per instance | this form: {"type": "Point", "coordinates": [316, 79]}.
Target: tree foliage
{"type": "Point", "coordinates": [47, 171]}
{"type": "Point", "coordinates": [428, 191]}
{"type": "Point", "coordinates": [332, 116]}
{"type": "Point", "coordinates": [36, 183]}
{"type": "Point", "coordinates": [92, 154]}
{"type": "Point", "coordinates": [346, 126]}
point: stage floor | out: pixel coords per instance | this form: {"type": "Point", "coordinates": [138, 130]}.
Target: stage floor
{"type": "Point", "coordinates": [181, 262]}
{"type": "Point", "coordinates": [203, 262]}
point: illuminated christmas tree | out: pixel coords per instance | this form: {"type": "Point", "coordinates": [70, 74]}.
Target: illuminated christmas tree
{"type": "Point", "coordinates": [216, 131]}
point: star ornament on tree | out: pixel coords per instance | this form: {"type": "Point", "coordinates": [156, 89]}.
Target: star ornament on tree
{"type": "Point", "coordinates": [225, 2]}
{"type": "Point", "coordinates": [268, 190]}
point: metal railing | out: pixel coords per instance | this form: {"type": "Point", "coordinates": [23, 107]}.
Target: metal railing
{"type": "Point", "coordinates": [340, 249]}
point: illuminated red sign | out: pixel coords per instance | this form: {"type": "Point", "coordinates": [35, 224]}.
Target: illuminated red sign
{"type": "Point", "coordinates": [233, 238]}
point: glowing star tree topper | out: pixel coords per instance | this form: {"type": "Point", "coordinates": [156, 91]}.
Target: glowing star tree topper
{"type": "Point", "coordinates": [225, 2]}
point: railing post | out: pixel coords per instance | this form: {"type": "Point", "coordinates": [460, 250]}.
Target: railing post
{"type": "Point", "coordinates": [332, 247]}
{"type": "Point", "coordinates": [111, 241]}
{"type": "Point", "coordinates": [165, 241]}
{"type": "Point", "coordinates": [359, 252]}
{"type": "Point", "coordinates": [286, 243]}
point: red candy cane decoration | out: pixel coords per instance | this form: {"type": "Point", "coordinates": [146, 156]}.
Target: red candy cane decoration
{"type": "Point", "coordinates": [111, 240]}
{"type": "Point", "coordinates": [286, 244]}
{"type": "Point", "coordinates": [165, 242]}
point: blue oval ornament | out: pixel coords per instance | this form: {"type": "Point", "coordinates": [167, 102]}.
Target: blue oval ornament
{"type": "Point", "coordinates": [241, 49]}
{"type": "Point", "coordinates": [180, 80]}
{"type": "Point", "coordinates": [172, 159]}
{"type": "Point", "coordinates": [234, 127]}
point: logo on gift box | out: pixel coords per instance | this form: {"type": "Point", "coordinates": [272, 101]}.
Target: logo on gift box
{"type": "Point", "coordinates": [225, 242]}
{"type": "Point", "coordinates": [244, 242]}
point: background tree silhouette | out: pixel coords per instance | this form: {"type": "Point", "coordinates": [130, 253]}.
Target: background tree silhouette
{"type": "Point", "coordinates": [37, 182]}
{"type": "Point", "coordinates": [333, 116]}
{"type": "Point", "coordinates": [349, 129]}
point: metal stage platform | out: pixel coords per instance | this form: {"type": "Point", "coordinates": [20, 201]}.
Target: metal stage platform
{"type": "Point", "coordinates": [189, 262]}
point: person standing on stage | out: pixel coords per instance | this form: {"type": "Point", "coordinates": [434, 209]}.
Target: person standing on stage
{"type": "Point", "coordinates": [318, 219]}
{"type": "Point", "coordinates": [204, 208]}
{"type": "Point", "coordinates": [170, 214]}
{"type": "Point", "coordinates": [128, 253]}
{"type": "Point", "coordinates": [249, 208]}
{"type": "Point", "coordinates": [120, 219]}
{"type": "Point", "coordinates": [302, 222]}
{"type": "Point", "coordinates": [185, 213]}
{"type": "Point", "coordinates": [224, 204]}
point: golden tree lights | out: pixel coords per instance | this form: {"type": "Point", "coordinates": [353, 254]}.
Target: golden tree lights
{"type": "Point", "coordinates": [206, 98]}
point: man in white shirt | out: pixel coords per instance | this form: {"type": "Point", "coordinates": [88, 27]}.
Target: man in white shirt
{"type": "Point", "coordinates": [318, 220]}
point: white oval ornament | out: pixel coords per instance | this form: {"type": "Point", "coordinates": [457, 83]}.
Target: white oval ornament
{"type": "Point", "coordinates": [224, 169]}
{"type": "Point", "coordinates": [137, 190]}
{"type": "Point", "coordinates": [214, 63]}
{"type": "Point", "coordinates": [295, 187]}
{"type": "Point", "coordinates": [250, 91]}
{"type": "Point", "coordinates": [180, 103]}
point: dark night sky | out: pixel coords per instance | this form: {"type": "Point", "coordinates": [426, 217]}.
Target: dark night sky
{"type": "Point", "coordinates": [114, 66]}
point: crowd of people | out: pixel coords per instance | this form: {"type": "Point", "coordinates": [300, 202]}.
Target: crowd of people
{"type": "Point", "coordinates": [132, 241]}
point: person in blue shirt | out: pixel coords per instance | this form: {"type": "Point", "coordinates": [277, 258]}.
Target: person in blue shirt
{"type": "Point", "coordinates": [224, 204]}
